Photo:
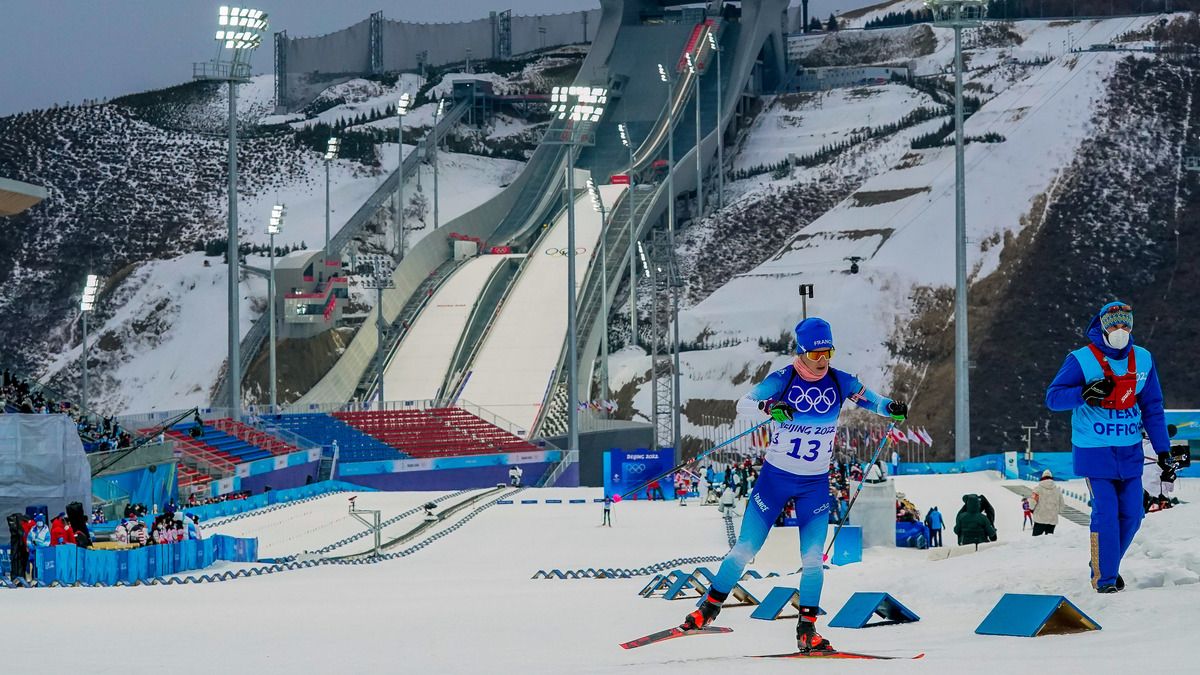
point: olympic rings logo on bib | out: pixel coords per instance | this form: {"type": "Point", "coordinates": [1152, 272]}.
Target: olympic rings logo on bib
{"type": "Point", "coordinates": [812, 399]}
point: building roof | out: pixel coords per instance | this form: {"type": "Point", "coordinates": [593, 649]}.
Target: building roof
{"type": "Point", "coordinates": [16, 196]}
{"type": "Point", "coordinates": [298, 260]}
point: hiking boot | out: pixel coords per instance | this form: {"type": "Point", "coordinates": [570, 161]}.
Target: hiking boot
{"type": "Point", "coordinates": [705, 614]}
{"type": "Point", "coordinates": [807, 637]}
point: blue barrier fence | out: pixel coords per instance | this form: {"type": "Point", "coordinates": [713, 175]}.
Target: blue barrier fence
{"type": "Point", "coordinates": [70, 564]}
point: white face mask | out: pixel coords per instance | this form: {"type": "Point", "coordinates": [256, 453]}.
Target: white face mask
{"type": "Point", "coordinates": [1117, 339]}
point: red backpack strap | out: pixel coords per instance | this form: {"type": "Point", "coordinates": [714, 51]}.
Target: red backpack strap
{"type": "Point", "coordinates": [1103, 360]}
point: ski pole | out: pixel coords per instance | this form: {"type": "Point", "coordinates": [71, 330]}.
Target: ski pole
{"type": "Point", "coordinates": [887, 436]}
{"type": "Point", "coordinates": [697, 458]}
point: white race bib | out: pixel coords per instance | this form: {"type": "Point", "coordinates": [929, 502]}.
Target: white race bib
{"type": "Point", "coordinates": [801, 449]}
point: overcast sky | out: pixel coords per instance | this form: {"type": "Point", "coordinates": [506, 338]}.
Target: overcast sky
{"type": "Point", "coordinates": [60, 51]}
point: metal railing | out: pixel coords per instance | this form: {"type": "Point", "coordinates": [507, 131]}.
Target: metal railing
{"type": "Point", "coordinates": [558, 469]}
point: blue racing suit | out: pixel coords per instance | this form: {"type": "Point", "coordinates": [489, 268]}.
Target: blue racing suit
{"type": "Point", "coordinates": [797, 467]}
{"type": "Point", "coordinates": [1106, 444]}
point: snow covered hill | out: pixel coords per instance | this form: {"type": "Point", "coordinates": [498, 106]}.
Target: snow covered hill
{"type": "Point", "coordinates": [861, 188]}
{"type": "Point", "coordinates": [138, 189]}
{"type": "Point", "coordinates": [466, 602]}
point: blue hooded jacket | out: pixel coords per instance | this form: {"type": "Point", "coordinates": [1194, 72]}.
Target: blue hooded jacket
{"type": "Point", "coordinates": [1108, 443]}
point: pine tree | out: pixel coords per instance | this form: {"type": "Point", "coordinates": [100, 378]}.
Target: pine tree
{"type": "Point", "coordinates": [831, 25]}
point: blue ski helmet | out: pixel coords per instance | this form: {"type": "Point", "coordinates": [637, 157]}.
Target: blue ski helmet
{"type": "Point", "coordinates": [813, 333]}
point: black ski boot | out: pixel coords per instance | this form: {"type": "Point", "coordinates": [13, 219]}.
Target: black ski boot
{"type": "Point", "coordinates": [807, 638]}
{"type": "Point", "coordinates": [1120, 583]}
{"type": "Point", "coordinates": [706, 613]}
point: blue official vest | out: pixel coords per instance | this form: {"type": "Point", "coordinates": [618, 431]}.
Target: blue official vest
{"type": "Point", "coordinates": [1095, 427]}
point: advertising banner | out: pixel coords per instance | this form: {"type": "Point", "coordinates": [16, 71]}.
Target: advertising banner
{"type": "Point", "coordinates": [627, 469]}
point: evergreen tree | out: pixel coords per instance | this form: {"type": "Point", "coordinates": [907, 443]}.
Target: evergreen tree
{"type": "Point", "coordinates": [814, 24]}
{"type": "Point", "coordinates": [831, 25]}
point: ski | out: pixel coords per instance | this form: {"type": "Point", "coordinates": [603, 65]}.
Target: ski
{"type": "Point", "coordinates": [834, 655]}
{"type": "Point", "coordinates": [671, 634]}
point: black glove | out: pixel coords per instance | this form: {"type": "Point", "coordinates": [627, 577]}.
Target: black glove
{"type": "Point", "coordinates": [898, 410]}
{"type": "Point", "coordinates": [1169, 465]}
{"type": "Point", "coordinates": [1095, 392]}
{"type": "Point", "coordinates": [778, 410]}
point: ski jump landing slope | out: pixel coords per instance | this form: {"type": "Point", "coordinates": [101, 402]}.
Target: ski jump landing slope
{"type": "Point", "coordinates": [418, 367]}
{"type": "Point", "coordinates": [519, 356]}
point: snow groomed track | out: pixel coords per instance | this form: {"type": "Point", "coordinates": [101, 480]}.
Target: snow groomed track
{"type": "Point", "coordinates": [416, 370]}
{"type": "Point", "coordinates": [519, 356]}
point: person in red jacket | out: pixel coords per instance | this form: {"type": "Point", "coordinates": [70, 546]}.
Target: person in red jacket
{"type": "Point", "coordinates": [61, 531]}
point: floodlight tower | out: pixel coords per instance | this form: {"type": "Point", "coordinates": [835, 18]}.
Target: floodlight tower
{"type": "Point", "coordinates": [437, 117]}
{"type": "Point", "coordinates": [670, 82]}
{"type": "Point", "coordinates": [86, 305]}
{"type": "Point", "coordinates": [716, 47]}
{"type": "Point", "coordinates": [402, 106]}
{"type": "Point", "coordinates": [331, 153]}
{"type": "Point", "coordinates": [695, 72]}
{"type": "Point", "coordinates": [382, 268]}
{"type": "Point", "coordinates": [241, 31]}
{"type": "Point", "coordinates": [575, 112]}
{"type": "Point", "coordinates": [598, 204]}
{"type": "Point", "coordinates": [959, 14]}
{"type": "Point", "coordinates": [633, 318]}
{"type": "Point", "coordinates": [274, 227]}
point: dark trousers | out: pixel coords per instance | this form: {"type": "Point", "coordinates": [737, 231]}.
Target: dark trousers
{"type": "Point", "coordinates": [607, 519]}
{"type": "Point", "coordinates": [935, 538]}
{"type": "Point", "coordinates": [1041, 528]}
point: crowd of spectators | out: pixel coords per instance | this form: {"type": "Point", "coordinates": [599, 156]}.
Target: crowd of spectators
{"type": "Point", "coordinates": [102, 434]}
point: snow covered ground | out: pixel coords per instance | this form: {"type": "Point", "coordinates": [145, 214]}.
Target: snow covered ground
{"type": "Point", "coordinates": [185, 302]}
{"type": "Point", "coordinates": [902, 211]}
{"type": "Point", "coordinates": [466, 603]}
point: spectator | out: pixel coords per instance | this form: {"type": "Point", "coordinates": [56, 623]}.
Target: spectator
{"type": "Point", "coordinates": [875, 473]}
{"type": "Point", "coordinates": [37, 538]}
{"type": "Point", "coordinates": [514, 476]}
{"type": "Point", "coordinates": [895, 462]}
{"type": "Point", "coordinates": [61, 531]}
{"type": "Point", "coordinates": [654, 490]}
{"type": "Point", "coordinates": [856, 473]}
{"type": "Point", "coordinates": [933, 520]}
{"type": "Point", "coordinates": [988, 510]}
{"type": "Point", "coordinates": [1028, 511]}
{"type": "Point", "coordinates": [726, 502]}
{"type": "Point", "coordinates": [971, 526]}
{"type": "Point", "coordinates": [1047, 503]}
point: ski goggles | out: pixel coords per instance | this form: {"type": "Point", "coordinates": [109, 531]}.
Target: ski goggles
{"type": "Point", "coordinates": [818, 354]}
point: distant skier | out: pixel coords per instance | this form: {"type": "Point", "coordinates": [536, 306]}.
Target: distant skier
{"type": "Point", "coordinates": [804, 399]}
{"type": "Point", "coordinates": [1108, 413]}
{"type": "Point", "coordinates": [607, 511]}
{"type": "Point", "coordinates": [1157, 485]}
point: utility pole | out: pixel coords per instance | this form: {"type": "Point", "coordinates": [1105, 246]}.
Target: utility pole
{"type": "Point", "coordinates": [716, 47]}
{"type": "Point", "coordinates": [959, 14]}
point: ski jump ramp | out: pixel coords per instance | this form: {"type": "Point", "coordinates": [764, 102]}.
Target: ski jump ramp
{"type": "Point", "coordinates": [419, 365]}
{"type": "Point", "coordinates": [519, 357]}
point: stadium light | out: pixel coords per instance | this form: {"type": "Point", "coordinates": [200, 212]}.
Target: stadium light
{"type": "Point", "coordinates": [90, 289]}
{"type": "Point", "coordinates": [274, 227]}
{"type": "Point", "coordinates": [959, 14]}
{"type": "Point", "coordinates": [627, 141]}
{"type": "Point", "coordinates": [575, 112]}
{"type": "Point", "coordinates": [598, 205]}
{"type": "Point", "coordinates": [433, 152]}
{"type": "Point", "coordinates": [675, 402]}
{"type": "Point", "coordinates": [712, 43]}
{"type": "Point", "coordinates": [691, 65]}
{"type": "Point", "coordinates": [240, 30]}
{"type": "Point", "coordinates": [331, 153]}
{"type": "Point", "coordinates": [403, 104]}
